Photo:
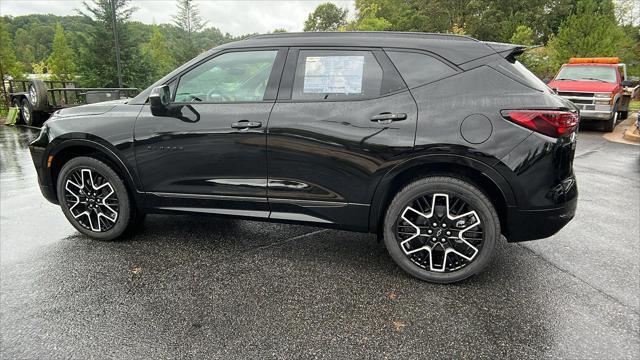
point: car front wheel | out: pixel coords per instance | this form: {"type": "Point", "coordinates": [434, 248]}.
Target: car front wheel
{"type": "Point", "coordinates": [94, 198]}
{"type": "Point", "coordinates": [441, 229]}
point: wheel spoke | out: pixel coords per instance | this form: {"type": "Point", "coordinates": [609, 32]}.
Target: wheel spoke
{"type": "Point", "coordinates": [442, 234]}
{"type": "Point", "coordinates": [91, 199]}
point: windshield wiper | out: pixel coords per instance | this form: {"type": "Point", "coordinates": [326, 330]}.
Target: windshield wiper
{"type": "Point", "coordinates": [562, 79]}
{"type": "Point", "coordinates": [594, 79]}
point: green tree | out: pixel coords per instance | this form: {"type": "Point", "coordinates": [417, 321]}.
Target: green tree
{"type": "Point", "coordinates": [522, 36]}
{"type": "Point", "coordinates": [592, 31]}
{"type": "Point", "coordinates": [8, 62]}
{"type": "Point", "coordinates": [25, 53]}
{"type": "Point", "coordinates": [61, 62]}
{"type": "Point", "coordinates": [535, 59]}
{"type": "Point", "coordinates": [368, 20]}
{"type": "Point", "coordinates": [158, 52]}
{"type": "Point", "coordinates": [188, 20]}
{"type": "Point", "coordinates": [97, 57]}
{"type": "Point", "coordinates": [326, 17]}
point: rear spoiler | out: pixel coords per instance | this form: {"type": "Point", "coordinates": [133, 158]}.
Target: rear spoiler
{"type": "Point", "coordinates": [508, 51]}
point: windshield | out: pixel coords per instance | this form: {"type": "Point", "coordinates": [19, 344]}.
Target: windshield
{"type": "Point", "coordinates": [592, 73]}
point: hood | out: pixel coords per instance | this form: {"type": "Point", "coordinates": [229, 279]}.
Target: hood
{"type": "Point", "coordinates": [583, 86]}
{"type": "Point", "coordinates": [90, 109]}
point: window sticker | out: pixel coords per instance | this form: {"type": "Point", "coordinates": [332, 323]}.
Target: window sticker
{"type": "Point", "coordinates": [333, 74]}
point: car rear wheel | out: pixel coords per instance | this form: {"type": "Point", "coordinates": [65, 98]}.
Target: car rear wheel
{"type": "Point", "coordinates": [94, 198]}
{"type": "Point", "coordinates": [441, 229]}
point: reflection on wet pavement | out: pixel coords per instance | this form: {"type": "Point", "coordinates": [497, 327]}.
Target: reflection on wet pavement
{"type": "Point", "coordinates": [28, 220]}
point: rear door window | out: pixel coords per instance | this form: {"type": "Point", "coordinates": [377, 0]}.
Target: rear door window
{"type": "Point", "coordinates": [418, 69]}
{"type": "Point", "coordinates": [336, 75]}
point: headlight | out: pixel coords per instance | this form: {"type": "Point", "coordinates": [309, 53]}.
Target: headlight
{"type": "Point", "coordinates": [602, 95]}
{"type": "Point", "coordinates": [602, 102]}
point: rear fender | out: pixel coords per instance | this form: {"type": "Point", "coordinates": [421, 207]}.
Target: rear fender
{"type": "Point", "coordinates": [385, 190]}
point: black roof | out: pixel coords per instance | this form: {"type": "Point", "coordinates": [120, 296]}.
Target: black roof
{"type": "Point", "coordinates": [455, 48]}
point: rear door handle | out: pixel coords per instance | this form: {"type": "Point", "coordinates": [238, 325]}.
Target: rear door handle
{"type": "Point", "coordinates": [246, 124]}
{"type": "Point", "coordinates": [386, 118]}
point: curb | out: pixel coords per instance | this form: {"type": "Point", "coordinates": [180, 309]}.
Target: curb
{"type": "Point", "coordinates": [619, 134]}
{"type": "Point", "coordinates": [632, 133]}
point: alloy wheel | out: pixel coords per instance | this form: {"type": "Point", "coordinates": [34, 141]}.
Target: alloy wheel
{"type": "Point", "coordinates": [26, 115]}
{"type": "Point", "coordinates": [33, 96]}
{"type": "Point", "coordinates": [439, 232]}
{"type": "Point", "coordinates": [91, 200]}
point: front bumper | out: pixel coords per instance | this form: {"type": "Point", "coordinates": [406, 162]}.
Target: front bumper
{"type": "Point", "coordinates": [596, 115]}
{"type": "Point", "coordinates": [47, 190]}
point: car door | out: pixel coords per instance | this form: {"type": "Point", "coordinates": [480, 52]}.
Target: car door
{"type": "Point", "coordinates": [341, 117]}
{"type": "Point", "coordinates": [209, 152]}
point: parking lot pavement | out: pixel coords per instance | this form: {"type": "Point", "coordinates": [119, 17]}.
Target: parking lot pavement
{"type": "Point", "coordinates": [194, 287]}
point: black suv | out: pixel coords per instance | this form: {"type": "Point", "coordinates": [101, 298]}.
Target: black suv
{"type": "Point", "coordinates": [439, 144]}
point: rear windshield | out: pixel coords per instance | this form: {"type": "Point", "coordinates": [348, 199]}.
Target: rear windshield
{"type": "Point", "coordinates": [590, 73]}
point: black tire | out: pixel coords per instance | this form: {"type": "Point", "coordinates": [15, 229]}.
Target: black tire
{"type": "Point", "coordinates": [473, 199]}
{"type": "Point", "coordinates": [28, 116]}
{"type": "Point", "coordinates": [610, 124]}
{"type": "Point", "coordinates": [37, 95]}
{"type": "Point", "coordinates": [622, 115]}
{"type": "Point", "coordinates": [82, 212]}
{"type": "Point", "coordinates": [15, 102]}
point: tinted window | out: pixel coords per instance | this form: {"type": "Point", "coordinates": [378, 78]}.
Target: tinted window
{"type": "Point", "coordinates": [336, 74]}
{"type": "Point", "coordinates": [418, 69]}
{"type": "Point", "coordinates": [520, 73]}
{"type": "Point", "coordinates": [230, 77]}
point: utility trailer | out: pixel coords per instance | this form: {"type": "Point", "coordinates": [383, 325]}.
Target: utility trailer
{"type": "Point", "coordinates": [38, 99]}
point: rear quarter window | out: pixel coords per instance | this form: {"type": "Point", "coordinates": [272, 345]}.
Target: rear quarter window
{"type": "Point", "coordinates": [521, 74]}
{"type": "Point", "coordinates": [418, 69]}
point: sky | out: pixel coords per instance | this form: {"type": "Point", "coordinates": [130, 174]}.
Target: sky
{"type": "Point", "coordinates": [235, 17]}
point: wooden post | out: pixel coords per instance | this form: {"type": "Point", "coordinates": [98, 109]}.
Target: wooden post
{"type": "Point", "coordinates": [4, 89]}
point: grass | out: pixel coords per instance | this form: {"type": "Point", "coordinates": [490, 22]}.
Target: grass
{"type": "Point", "coordinates": [635, 105]}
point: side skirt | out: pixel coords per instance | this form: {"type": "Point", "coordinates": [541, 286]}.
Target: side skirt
{"type": "Point", "coordinates": [329, 214]}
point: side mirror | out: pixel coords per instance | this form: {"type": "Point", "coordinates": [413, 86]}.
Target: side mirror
{"type": "Point", "coordinates": [160, 98]}
{"type": "Point", "coordinates": [627, 83]}
{"type": "Point", "coordinates": [546, 80]}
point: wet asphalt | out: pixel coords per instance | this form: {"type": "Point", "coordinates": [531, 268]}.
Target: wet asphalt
{"type": "Point", "coordinates": [202, 287]}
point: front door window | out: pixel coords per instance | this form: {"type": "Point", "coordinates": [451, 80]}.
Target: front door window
{"type": "Point", "coordinates": [228, 78]}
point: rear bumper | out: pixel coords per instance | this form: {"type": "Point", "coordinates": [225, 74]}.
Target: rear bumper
{"type": "Point", "coordinates": [524, 225]}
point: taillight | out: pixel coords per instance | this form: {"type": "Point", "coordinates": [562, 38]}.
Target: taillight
{"type": "Point", "coordinates": [549, 122]}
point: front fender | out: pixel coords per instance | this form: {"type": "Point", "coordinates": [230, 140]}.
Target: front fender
{"type": "Point", "coordinates": [67, 141]}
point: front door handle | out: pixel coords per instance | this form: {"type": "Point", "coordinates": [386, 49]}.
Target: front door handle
{"type": "Point", "coordinates": [246, 124]}
{"type": "Point", "coordinates": [386, 118]}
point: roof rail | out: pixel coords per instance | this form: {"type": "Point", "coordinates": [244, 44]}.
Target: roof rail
{"type": "Point", "coordinates": [343, 33]}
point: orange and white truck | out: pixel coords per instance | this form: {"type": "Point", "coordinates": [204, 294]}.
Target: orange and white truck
{"type": "Point", "coordinates": [598, 86]}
